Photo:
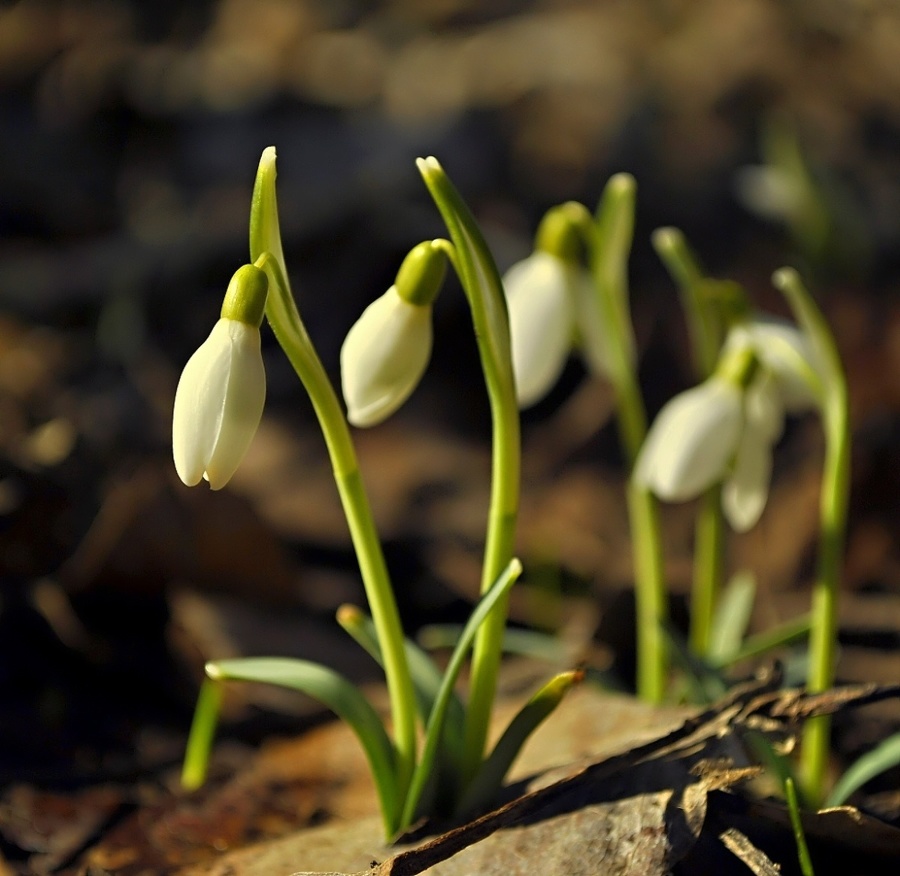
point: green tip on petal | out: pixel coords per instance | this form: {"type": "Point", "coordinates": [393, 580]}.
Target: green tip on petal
{"type": "Point", "coordinates": [383, 358]}
{"type": "Point", "coordinates": [245, 299]}
{"type": "Point", "coordinates": [422, 273]}
{"type": "Point", "coordinates": [560, 232]}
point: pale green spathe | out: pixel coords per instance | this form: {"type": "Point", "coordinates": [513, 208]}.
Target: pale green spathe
{"type": "Point", "coordinates": [218, 404]}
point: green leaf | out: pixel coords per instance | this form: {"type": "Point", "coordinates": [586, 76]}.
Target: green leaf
{"type": "Point", "coordinates": [790, 796]}
{"type": "Point", "coordinates": [490, 777]}
{"type": "Point", "coordinates": [525, 643]}
{"type": "Point", "coordinates": [435, 721]}
{"type": "Point", "coordinates": [334, 691]}
{"type": "Point", "coordinates": [884, 756]}
{"type": "Point", "coordinates": [203, 728]}
{"type": "Point", "coordinates": [732, 617]}
{"type": "Point", "coordinates": [426, 676]}
{"type": "Point", "coordinates": [784, 634]}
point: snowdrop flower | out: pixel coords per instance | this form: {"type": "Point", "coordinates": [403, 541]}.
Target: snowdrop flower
{"type": "Point", "coordinates": [692, 441]}
{"type": "Point", "coordinates": [222, 390]}
{"type": "Point", "coordinates": [721, 431]}
{"type": "Point", "coordinates": [746, 490]}
{"type": "Point", "coordinates": [553, 307]}
{"type": "Point", "coordinates": [541, 322]}
{"type": "Point", "coordinates": [386, 352]}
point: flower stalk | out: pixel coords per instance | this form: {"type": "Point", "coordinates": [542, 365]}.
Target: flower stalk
{"type": "Point", "coordinates": [705, 334]}
{"type": "Point", "coordinates": [611, 244]}
{"type": "Point", "coordinates": [833, 504]}
{"type": "Point", "coordinates": [282, 314]}
{"type": "Point", "coordinates": [483, 288]}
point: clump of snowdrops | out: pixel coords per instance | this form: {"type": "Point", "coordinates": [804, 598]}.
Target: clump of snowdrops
{"type": "Point", "coordinates": [713, 441]}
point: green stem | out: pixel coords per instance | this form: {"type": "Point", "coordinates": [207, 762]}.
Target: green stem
{"type": "Point", "coordinates": [283, 316]}
{"type": "Point", "coordinates": [709, 557]}
{"type": "Point", "coordinates": [704, 331]}
{"type": "Point", "coordinates": [484, 291]}
{"type": "Point", "coordinates": [651, 602]}
{"type": "Point", "coordinates": [833, 504]}
{"type": "Point", "coordinates": [650, 595]}
{"type": "Point", "coordinates": [610, 248]}
{"type": "Point", "coordinates": [200, 738]}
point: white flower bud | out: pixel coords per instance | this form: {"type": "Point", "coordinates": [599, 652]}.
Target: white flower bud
{"type": "Point", "coordinates": [541, 323]}
{"type": "Point", "coordinates": [383, 357]}
{"type": "Point", "coordinates": [692, 441]}
{"type": "Point", "coordinates": [218, 404]}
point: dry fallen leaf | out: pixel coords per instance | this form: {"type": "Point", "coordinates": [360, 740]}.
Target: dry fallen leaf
{"type": "Point", "coordinates": [641, 810]}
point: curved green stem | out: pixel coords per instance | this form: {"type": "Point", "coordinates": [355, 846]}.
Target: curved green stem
{"type": "Point", "coordinates": [281, 311]}
{"type": "Point", "coordinates": [833, 504]}
{"type": "Point", "coordinates": [709, 556]}
{"type": "Point", "coordinates": [484, 290]}
{"type": "Point", "coordinates": [705, 334]}
{"type": "Point", "coordinates": [611, 245]}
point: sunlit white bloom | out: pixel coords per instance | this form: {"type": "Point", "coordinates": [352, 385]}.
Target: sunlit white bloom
{"type": "Point", "coordinates": [218, 404]}
{"type": "Point", "coordinates": [384, 356]}
{"type": "Point", "coordinates": [541, 323]}
{"type": "Point", "coordinates": [720, 432]}
{"type": "Point", "coordinates": [692, 441]}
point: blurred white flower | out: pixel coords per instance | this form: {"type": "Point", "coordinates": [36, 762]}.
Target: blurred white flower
{"type": "Point", "coordinates": [218, 404]}
{"type": "Point", "coordinates": [693, 441]}
{"type": "Point", "coordinates": [787, 353]}
{"type": "Point", "coordinates": [384, 356]}
{"type": "Point", "coordinates": [541, 322]}
{"type": "Point", "coordinates": [770, 192]}
{"type": "Point", "coordinates": [723, 430]}
{"type": "Point", "coordinates": [746, 490]}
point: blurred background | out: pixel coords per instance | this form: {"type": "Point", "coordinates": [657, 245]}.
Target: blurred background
{"type": "Point", "coordinates": [129, 138]}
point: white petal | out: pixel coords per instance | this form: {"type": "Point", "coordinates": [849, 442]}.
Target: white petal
{"type": "Point", "coordinates": [244, 399]}
{"type": "Point", "coordinates": [218, 404]}
{"type": "Point", "coordinates": [764, 407]}
{"type": "Point", "coordinates": [540, 323]}
{"type": "Point", "coordinates": [692, 441]}
{"type": "Point", "coordinates": [745, 492]}
{"type": "Point", "coordinates": [383, 357]}
{"type": "Point", "coordinates": [594, 332]}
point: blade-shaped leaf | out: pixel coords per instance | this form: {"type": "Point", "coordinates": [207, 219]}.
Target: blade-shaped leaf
{"type": "Point", "coordinates": [490, 777]}
{"type": "Point", "coordinates": [425, 675]}
{"type": "Point", "coordinates": [441, 702]}
{"type": "Point", "coordinates": [732, 617]}
{"type": "Point", "coordinates": [884, 756]}
{"type": "Point", "coordinates": [334, 691]}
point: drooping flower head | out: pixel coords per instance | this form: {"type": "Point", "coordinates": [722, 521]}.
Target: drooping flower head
{"type": "Point", "coordinates": [387, 350]}
{"type": "Point", "coordinates": [720, 431]}
{"type": "Point", "coordinates": [541, 322]}
{"type": "Point", "coordinates": [723, 430]}
{"type": "Point", "coordinates": [557, 306]}
{"type": "Point", "coordinates": [222, 390]}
